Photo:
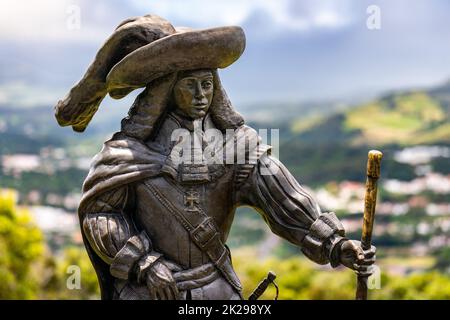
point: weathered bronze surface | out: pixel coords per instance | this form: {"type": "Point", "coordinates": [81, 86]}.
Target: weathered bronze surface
{"type": "Point", "coordinates": [160, 197]}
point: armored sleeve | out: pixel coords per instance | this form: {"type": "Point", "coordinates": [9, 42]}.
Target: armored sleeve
{"type": "Point", "coordinates": [112, 236]}
{"type": "Point", "coordinates": [290, 211]}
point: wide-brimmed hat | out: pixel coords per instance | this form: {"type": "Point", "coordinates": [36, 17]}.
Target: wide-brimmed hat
{"type": "Point", "coordinates": [186, 50]}
{"type": "Point", "coordinates": [139, 51]}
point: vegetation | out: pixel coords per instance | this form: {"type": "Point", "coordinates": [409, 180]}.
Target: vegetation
{"type": "Point", "coordinates": [61, 182]}
{"type": "Point", "coordinates": [397, 118]}
{"type": "Point", "coordinates": [21, 246]}
{"type": "Point", "coordinates": [63, 269]}
{"type": "Point", "coordinates": [27, 269]}
{"type": "Point", "coordinates": [298, 278]}
{"type": "Point", "coordinates": [317, 148]}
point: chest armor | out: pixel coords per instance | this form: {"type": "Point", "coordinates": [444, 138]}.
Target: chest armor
{"type": "Point", "coordinates": [208, 188]}
{"type": "Point", "coordinates": [169, 236]}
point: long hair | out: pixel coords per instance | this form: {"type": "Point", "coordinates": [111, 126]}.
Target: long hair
{"type": "Point", "coordinates": [155, 101]}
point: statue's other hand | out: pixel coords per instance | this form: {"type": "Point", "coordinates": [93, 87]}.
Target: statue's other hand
{"type": "Point", "coordinates": [160, 282]}
{"type": "Point", "coordinates": [354, 257]}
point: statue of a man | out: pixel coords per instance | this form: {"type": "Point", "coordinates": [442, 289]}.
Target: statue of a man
{"type": "Point", "coordinates": [160, 196]}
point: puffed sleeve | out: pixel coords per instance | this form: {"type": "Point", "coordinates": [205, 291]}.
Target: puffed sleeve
{"type": "Point", "coordinates": [290, 211]}
{"type": "Point", "coordinates": [112, 236]}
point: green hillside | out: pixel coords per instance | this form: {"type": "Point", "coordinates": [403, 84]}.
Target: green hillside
{"type": "Point", "coordinates": [406, 118]}
{"type": "Point", "coordinates": [335, 147]}
{"type": "Point", "coordinates": [410, 118]}
{"type": "Point", "coordinates": [322, 145]}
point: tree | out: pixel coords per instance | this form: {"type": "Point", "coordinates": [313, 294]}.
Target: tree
{"type": "Point", "coordinates": [28, 270]}
{"type": "Point", "coordinates": [21, 248]}
{"type": "Point", "coordinates": [298, 278]}
{"type": "Point", "coordinates": [72, 277]}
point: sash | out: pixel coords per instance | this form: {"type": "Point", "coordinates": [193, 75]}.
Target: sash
{"type": "Point", "coordinates": [204, 233]}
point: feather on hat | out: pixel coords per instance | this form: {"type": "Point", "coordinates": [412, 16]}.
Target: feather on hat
{"type": "Point", "coordinates": [141, 50]}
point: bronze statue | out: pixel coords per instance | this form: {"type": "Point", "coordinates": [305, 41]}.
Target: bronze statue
{"type": "Point", "coordinates": [160, 197]}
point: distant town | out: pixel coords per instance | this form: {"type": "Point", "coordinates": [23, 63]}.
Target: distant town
{"type": "Point", "coordinates": [417, 210]}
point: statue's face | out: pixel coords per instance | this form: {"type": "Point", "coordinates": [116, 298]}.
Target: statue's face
{"type": "Point", "coordinates": [193, 93]}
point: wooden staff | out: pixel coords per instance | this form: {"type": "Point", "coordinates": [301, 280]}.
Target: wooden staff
{"type": "Point", "coordinates": [370, 200]}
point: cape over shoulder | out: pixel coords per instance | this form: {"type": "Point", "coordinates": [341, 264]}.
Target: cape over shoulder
{"type": "Point", "coordinates": [122, 160]}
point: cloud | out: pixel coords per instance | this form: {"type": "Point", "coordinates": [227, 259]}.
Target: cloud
{"type": "Point", "coordinates": [296, 50]}
{"type": "Point", "coordinates": [282, 14]}
{"type": "Point", "coordinates": [60, 20]}
{"type": "Point", "coordinates": [22, 20]}
{"type": "Point", "coordinates": [92, 21]}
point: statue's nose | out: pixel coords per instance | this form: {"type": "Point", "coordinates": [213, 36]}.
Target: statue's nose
{"type": "Point", "coordinates": [199, 94]}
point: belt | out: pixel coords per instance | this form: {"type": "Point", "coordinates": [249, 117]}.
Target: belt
{"type": "Point", "coordinates": [196, 277]}
{"type": "Point", "coordinates": [188, 279]}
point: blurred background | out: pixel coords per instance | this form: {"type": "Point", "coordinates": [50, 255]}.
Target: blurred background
{"type": "Point", "coordinates": [338, 78]}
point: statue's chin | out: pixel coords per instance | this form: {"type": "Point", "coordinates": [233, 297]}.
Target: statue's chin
{"type": "Point", "coordinates": [200, 114]}
{"type": "Point", "coordinates": [196, 115]}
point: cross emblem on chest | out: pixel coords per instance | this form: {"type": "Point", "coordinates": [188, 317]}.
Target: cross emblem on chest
{"type": "Point", "coordinates": [191, 198]}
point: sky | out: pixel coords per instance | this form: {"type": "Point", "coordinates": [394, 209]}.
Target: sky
{"type": "Point", "coordinates": [311, 50]}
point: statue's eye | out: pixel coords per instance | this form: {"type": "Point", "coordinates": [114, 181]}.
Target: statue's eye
{"type": "Point", "coordinates": [206, 84]}
{"type": "Point", "coordinates": [190, 84]}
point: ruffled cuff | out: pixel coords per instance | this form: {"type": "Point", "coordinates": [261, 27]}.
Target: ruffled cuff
{"type": "Point", "coordinates": [145, 263]}
{"type": "Point", "coordinates": [333, 249]}
{"type": "Point", "coordinates": [316, 244]}
{"type": "Point", "coordinates": [125, 260]}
